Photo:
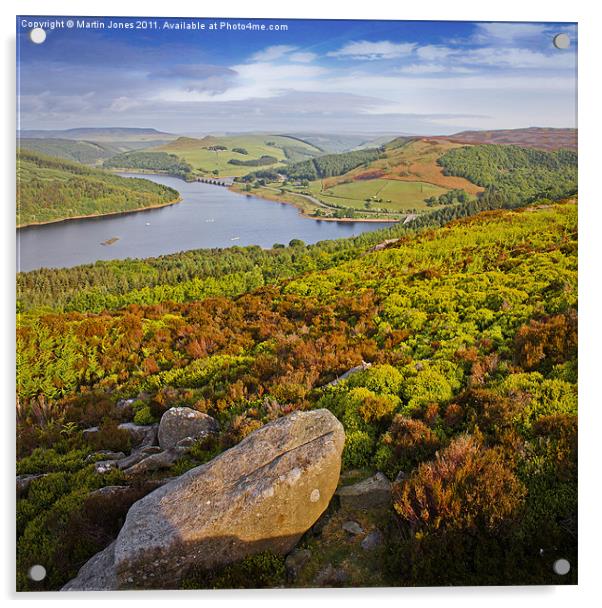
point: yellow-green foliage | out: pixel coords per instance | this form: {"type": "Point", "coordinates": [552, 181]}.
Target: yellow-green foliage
{"type": "Point", "coordinates": [470, 330]}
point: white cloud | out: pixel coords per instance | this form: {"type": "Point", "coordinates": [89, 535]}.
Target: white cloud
{"type": "Point", "coordinates": [303, 57]}
{"type": "Point", "coordinates": [515, 34]}
{"type": "Point", "coordinates": [259, 80]}
{"type": "Point", "coordinates": [434, 68]}
{"type": "Point", "coordinates": [122, 104]}
{"type": "Point", "coordinates": [273, 52]}
{"type": "Point", "coordinates": [519, 58]}
{"type": "Point", "coordinates": [432, 52]}
{"type": "Point", "coordinates": [364, 49]}
{"type": "Point", "coordinates": [509, 32]}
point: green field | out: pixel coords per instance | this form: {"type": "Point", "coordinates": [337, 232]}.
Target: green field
{"type": "Point", "coordinates": [204, 161]}
{"type": "Point", "coordinates": [392, 195]}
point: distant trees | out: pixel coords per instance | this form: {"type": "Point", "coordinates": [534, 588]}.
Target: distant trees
{"type": "Point", "coordinates": [457, 195]}
{"type": "Point", "coordinates": [240, 150]}
{"type": "Point", "coordinates": [516, 175]}
{"type": "Point", "coordinates": [330, 165]}
{"type": "Point", "coordinates": [255, 162]}
{"type": "Point", "coordinates": [150, 161]}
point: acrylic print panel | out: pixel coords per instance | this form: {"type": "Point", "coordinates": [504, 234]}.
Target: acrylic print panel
{"type": "Point", "coordinates": [296, 303]}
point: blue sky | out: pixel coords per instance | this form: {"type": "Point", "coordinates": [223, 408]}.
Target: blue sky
{"type": "Point", "coordinates": [316, 76]}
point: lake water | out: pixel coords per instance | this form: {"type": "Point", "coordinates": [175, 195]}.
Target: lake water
{"type": "Point", "coordinates": [208, 216]}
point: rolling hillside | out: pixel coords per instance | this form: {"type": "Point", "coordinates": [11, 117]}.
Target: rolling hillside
{"type": "Point", "coordinates": [408, 175]}
{"type": "Point", "coordinates": [410, 160]}
{"type": "Point", "coordinates": [392, 183]}
{"type": "Point", "coordinates": [533, 137]}
{"type": "Point", "coordinates": [210, 155]}
{"type": "Point", "coordinates": [468, 397]}
{"type": "Point", "coordinates": [51, 189]}
{"type": "Point", "coordinates": [86, 152]}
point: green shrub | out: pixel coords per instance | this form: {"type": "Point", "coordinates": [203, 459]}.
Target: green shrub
{"type": "Point", "coordinates": [144, 416]}
{"type": "Point", "coordinates": [358, 450]}
{"type": "Point", "coordinates": [381, 379]}
{"type": "Point", "coordinates": [261, 571]}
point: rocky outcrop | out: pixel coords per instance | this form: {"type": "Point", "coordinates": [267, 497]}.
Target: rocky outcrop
{"type": "Point", "coordinates": [141, 435]}
{"type": "Point", "coordinates": [262, 494]}
{"type": "Point", "coordinates": [179, 423]}
{"type": "Point", "coordinates": [366, 494]}
{"type": "Point", "coordinates": [155, 462]}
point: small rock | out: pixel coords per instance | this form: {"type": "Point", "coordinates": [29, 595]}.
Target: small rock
{"type": "Point", "coordinates": [155, 462]}
{"type": "Point", "coordinates": [295, 561]}
{"type": "Point", "coordinates": [137, 456]}
{"type": "Point", "coordinates": [329, 576]}
{"type": "Point", "coordinates": [369, 493]}
{"type": "Point", "coordinates": [110, 491]}
{"type": "Point", "coordinates": [24, 481]}
{"type": "Point", "coordinates": [104, 466]}
{"type": "Point", "coordinates": [90, 431]}
{"type": "Point", "coordinates": [353, 527]}
{"type": "Point", "coordinates": [372, 540]}
{"type": "Point", "coordinates": [186, 442]}
{"type": "Point", "coordinates": [106, 454]}
{"type": "Point", "coordinates": [401, 476]}
{"type": "Point", "coordinates": [123, 403]}
{"type": "Point", "coordinates": [142, 435]}
{"type": "Point", "coordinates": [150, 449]}
{"type": "Point", "coordinates": [180, 423]}
{"type": "Point", "coordinates": [358, 368]}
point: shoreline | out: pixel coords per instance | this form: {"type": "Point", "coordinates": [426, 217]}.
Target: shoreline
{"type": "Point", "coordinates": [232, 188]}
{"type": "Point", "coordinates": [97, 215]}
{"type": "Point", "coordinates": [317, 218]}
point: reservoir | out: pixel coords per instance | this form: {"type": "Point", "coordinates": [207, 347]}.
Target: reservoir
{"type": "Point", "coordinates": [208, 216]}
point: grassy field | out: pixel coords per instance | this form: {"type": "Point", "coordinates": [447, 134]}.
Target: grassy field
{"type": "Point", "coordinates": [392, 195]}
{"type": "Point", "coordinates": [205, 161]}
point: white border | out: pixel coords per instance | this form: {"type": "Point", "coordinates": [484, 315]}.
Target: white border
{"type": "Point", "coordinates": [590, 211]}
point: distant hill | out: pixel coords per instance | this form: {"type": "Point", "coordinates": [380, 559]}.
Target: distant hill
{"type": "Point", "coordinates": [211, 155]}
{"type": "Point", "coordinates": [408, 159]}
{"type": "Point", "coordinates": [52, 189]}
{"type": "Point", "coordinates": [533, 137]}
{"type": "Point", "coordinates": [336, 143]}
{"type": "Point", "coordinates": [99, 134]}
{"type": "Point", "coordinates": [86, 152]}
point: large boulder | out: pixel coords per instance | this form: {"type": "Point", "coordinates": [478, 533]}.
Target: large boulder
{"type": "Point", "coordinates": [97, 574]}
{"type": "Point", "coordinates": [179, 423]}
{"type": "Point", "coordinates": [262, 494]}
